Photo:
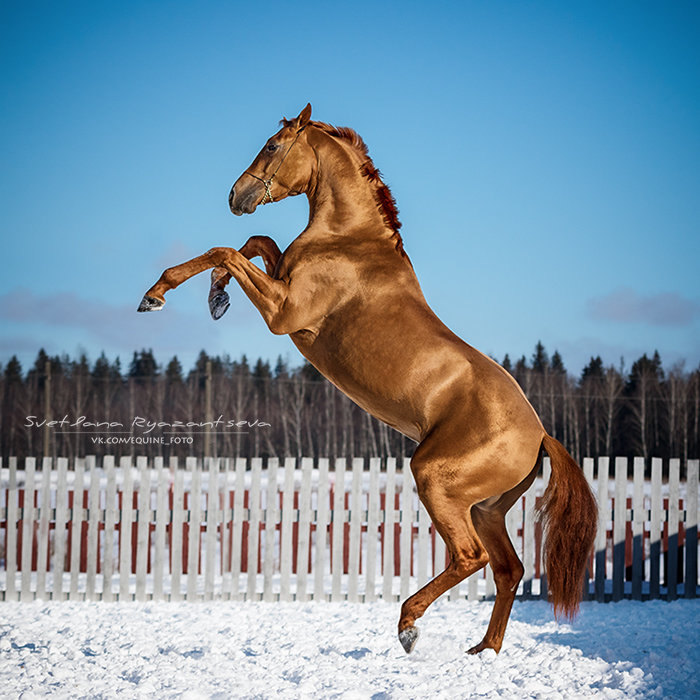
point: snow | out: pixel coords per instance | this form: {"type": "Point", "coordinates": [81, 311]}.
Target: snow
{"type": "Point", "coordinates": [343, 650]}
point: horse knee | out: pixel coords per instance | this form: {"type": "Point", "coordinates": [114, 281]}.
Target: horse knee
{"type": "Point", "coordinates": [169, 276]}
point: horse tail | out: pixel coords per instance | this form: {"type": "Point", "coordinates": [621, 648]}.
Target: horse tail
{"type": "Point", "coordinates": [569, 514]}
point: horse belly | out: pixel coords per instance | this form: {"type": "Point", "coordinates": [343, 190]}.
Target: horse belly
{"type": "Point", "coordinates": [370, 367]}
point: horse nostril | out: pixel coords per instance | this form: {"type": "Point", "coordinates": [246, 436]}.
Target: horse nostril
{"type": "Point", "coordinates": [230, 196]}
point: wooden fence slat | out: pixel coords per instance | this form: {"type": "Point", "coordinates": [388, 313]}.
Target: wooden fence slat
{"type": "Point", "coordinates": [162, 518]}
{"type": "Point", "coordinates": [338, 525]}
{"type": "Point", "coordinates": [11, 537]}
{"type": "Point", "coordinates": [94, 519]}
{"type": "Point", "coordinates": [514, 522]}
{"type": "Point", "coordinates": [143, 526]}
{"type": "Point", "coordinates": [355, 515]}
{"type": "Point", "coordinates": [234, 592]}
{"type": "Point", "coordinates": [125, 522]}
{"type": "Point", "coordinates": [213, 519]}
{"type": "Point", "coordinates": [110, 522]}
{"type": "Point", "coordinates": [619, 528]}
{"type": "Point", "coordinates": [389, 518]}
{"type": "Point", "coordinates": [691, 528]}
{"type": "Point", "coordinates": [60, 529]}
{"type": "Point", "coordinates": [674, 468]}
{"type": "Point", "coordinates": [321, 539]}
{"type": "Point", "coordinates": [601, 540]}
{"type": "Point", "coordinates": [406, 520]}
{"type": "Point", "coordinates": [226, 531]}
{"type": "Point", "coordinates": [655, 526]}
{"type": "Point", "coordinates": [44, 532]}
{"type": "Point", "coordinates": [254, 527]}
{"type": "Point", "coordinates": [546, 473]}
{"type": "Point", "coordinates": [638, 519]}
{"type": "Point", "coordinates": [304, 529]}
{"type": "Point", "coordinates": [286, 550]}
{"type": "Point", "coordinates": [195, 522]}
{"type": "Point", "coordinates": [272, 518]}
{"type": "Point", "coordinates": [77, 518]}
{"type": "Point", "coordinates": [588, 466]}
{"type": "Point", "coordinates": [178, 517]}
{"type": "Point", "coordinates": [27, 528]}
{"type": "Point", "coordinates": [529, 541]}
{"type": "Point", "coordinates": [372, 530]}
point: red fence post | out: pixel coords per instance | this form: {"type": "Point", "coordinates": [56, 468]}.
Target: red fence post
{"type": "Point", "coordinates": [295, 534]}
{"type": "Point", "coordinates": [185, 534]}
{"type": "Point", "coordinates": [346, 536]}
{"type": "Point", "coordinates": [134, 532]}
{"type": "Point", "coordinates": [84, 535]}
{"type": "Point", "coordinates": [244, 535]}
{"type": "Point", "coordinates": [397, 539]}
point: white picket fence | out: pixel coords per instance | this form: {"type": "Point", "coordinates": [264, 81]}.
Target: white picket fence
{"type": "Point", "coordinates": [233, 530]}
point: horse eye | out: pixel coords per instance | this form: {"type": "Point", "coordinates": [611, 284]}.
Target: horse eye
{"type": "Point", "coordinates": [271, 147]}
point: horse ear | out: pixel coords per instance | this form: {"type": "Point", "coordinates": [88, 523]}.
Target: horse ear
{"type": "Point", "coordinates": [303, 119]}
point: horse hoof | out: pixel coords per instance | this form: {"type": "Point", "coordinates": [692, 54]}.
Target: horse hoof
{"type": "Point", "coordinates": [481, 647]}
{"type": "Point", "coordinates": [408, 638]}
{"type": "Point", "coordinates": [218, 305]}
{"type": "Point", "coordinates": [150, 304]}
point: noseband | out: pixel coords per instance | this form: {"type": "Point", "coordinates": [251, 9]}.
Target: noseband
{"type": "Point", "coordinates": [268, 182]}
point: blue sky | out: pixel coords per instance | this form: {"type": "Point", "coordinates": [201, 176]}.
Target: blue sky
{"type": "Point", "coordinates": [544, 157]}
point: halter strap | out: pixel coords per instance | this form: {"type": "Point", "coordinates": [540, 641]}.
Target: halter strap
{"type": "Point", "coordinates": [268, 182]}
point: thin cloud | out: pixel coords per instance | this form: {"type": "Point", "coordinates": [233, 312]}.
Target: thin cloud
{"type": "Point", "coordinates": [116, 328]}
{"type": "Point", "coordinates": [625, 305]}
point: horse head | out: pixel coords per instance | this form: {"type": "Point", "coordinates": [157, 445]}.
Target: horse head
{"type": "Point", "coordinates": [281, 169]}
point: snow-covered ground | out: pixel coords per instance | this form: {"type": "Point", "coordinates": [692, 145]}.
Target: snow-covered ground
{"type": "Point", "coordinates": [341, 650]}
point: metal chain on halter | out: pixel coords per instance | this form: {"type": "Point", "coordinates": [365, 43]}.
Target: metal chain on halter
{"type": "Point", "coordinates": [268, 182]}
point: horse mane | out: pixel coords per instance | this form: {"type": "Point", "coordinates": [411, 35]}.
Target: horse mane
{"type": "Point", "coordinates": [385, 199]}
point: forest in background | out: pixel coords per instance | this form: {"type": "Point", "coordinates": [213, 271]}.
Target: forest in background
{"type": "Point", "coordinates": [645, 410]}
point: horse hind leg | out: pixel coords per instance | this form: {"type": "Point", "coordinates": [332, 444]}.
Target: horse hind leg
{"type": "Point", "coordinates": [507, 573]}
{"type": "Point", "coordinates": [452, 520]}
{"type": "Point", "coordinates": [263, 246]}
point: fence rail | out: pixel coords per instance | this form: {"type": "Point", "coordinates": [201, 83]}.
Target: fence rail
{"type": "Point", "coordinates": [244, 530]}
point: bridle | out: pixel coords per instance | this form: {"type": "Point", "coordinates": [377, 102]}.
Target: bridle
{"type": "Point", "coordinates": [268, 182]}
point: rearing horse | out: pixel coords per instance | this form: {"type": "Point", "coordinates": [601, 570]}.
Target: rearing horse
{"type": "Point", "coordinates": [347, 295]}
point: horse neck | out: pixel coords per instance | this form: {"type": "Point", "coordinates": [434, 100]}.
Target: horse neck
{"type": "Point", "coordinates": [341, 199]}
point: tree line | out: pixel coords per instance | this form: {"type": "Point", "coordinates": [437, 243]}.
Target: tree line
{"type": "Point", "coordinates": [232, 408]}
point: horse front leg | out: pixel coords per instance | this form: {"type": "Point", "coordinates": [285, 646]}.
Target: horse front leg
{"type": "Point", "coordinates": [270, 296]}
{"type": "Point", "coordinates": [263, 246]}
{"type": "Point", "coordinates": [229, 259]}
{"type": "Point", "coordinates": [154, 298]}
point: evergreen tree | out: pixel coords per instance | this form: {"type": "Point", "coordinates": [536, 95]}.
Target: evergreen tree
{"type": "Point", "coordinates": [173, 372]}
{"type": "Point", "coordinates": [281, 369]}
{"type": "Point", "coordinates": [144, 367]}
{"type": "Point", "coordinates": [540, 359]}
{"type": "Point", "coordinates": [557, 365]}
{"type": "Point", "coordinates": [593, 370]}
{"type": "Point", "coordinates": [262, 376]}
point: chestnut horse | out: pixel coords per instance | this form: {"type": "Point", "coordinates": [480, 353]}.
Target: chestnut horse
{"type": "Point", "coordinates": [347, 295]}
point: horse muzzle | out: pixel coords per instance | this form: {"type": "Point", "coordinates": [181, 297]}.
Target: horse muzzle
{"type": "Point", "coordinates": [242, 203]}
